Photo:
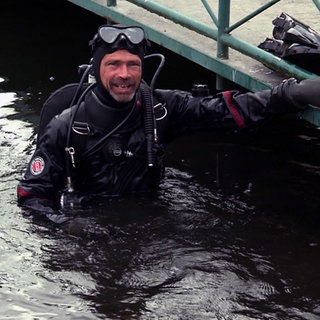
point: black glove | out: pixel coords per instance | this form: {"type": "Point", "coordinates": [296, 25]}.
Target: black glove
{"type": "Point", "coordinates": [43, 209]}
{"type": "Point", "coordinates": [302, 94]}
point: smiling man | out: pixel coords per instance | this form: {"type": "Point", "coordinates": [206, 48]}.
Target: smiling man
{"type": "Point", "coordinates": [110, 138]}
{"type": "Point", "coordinates": [120, 73]}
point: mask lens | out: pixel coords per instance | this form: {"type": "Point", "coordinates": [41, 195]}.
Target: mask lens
{"type": "Point", "coordinates": [135, 35]}
{"type": "Point", "coordinates": [110, 34]}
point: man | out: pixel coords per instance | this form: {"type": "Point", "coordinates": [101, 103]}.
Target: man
{"type": "Point", "coordinates": [124, 127]}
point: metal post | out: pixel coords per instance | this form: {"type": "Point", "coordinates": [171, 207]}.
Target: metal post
{"type": "Point", "coordinates": [222, 49]}
{"type": "Point", "coordinates": [111, 3]}
{"type": "Point", "coordinates": [223, 24]}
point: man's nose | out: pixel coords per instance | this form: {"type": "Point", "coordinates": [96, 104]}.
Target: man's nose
{"type": "Point", "coordinates": [123, 71]}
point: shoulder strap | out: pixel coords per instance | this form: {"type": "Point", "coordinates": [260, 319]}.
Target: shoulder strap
{"type": "Point", "coordinates": [79, 132]}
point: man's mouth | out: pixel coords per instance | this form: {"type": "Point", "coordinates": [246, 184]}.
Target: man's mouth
{"type": "Point", "coordinates": [122, 92]}
{"type": "Point", "coordinates": [122, 86]}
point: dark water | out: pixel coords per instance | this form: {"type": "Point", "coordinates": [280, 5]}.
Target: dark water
{"type": "Point", "coordinates": [232, 234]}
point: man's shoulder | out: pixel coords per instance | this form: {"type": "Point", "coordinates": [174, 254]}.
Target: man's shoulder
{"type": "Point", "coordinates": [59, 101]}
{"type": "Point", "coordinates": [62, 98]}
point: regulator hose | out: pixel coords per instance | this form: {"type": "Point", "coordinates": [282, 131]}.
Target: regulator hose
{"type": "Point", "coordinates": [149, 125]}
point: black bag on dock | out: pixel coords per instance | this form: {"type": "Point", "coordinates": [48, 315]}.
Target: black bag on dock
{"type": "Point", "coordinates": [295, 42]}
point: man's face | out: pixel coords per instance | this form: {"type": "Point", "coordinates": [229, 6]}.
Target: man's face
{"type": "Point", "coordinates": [120, 73]}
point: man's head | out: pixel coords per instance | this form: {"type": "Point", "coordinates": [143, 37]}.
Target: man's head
{"type": "Point", "coordinates": [118, 54]}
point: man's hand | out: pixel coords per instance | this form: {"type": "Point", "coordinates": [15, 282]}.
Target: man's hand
{"type": "Point", "coordinates": [304, 93]}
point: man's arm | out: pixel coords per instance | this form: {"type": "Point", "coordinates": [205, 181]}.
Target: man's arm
{"type": "Point", "coordinates": [232, 108]}
{"type": "Point", "coordinates": [45, 173]}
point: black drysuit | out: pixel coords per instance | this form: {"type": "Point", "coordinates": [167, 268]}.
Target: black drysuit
{"type": "Point", "coordinates": [118, 165]}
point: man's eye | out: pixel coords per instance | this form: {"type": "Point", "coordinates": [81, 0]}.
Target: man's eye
{"type": "Point", "coordinates": [113, 63]}
{"type": "Point", "coordinates": [134, 64]}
